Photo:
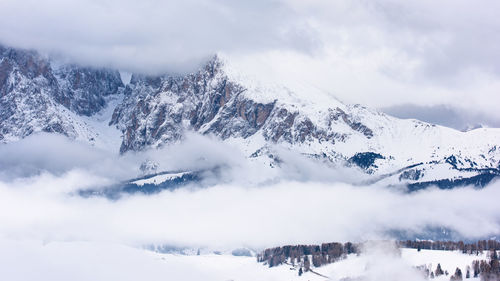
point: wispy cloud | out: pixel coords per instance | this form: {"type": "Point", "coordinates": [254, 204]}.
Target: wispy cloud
{"type": "Point", "coordinates": [151, 36]}
{"type": "Point", "coordinates": [226, 216]}
{"type": "Point", "coordinates": [379, 53]}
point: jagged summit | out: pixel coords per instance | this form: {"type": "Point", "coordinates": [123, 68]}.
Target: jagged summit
{"type": "Point", "coordinates": [220, 100]}
{"type": "Point", "coordinates": [35, 97]}
{"type": "Point", "coordinates": [158, 109]}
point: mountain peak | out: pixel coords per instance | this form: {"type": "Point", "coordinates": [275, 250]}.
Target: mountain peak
{"type": "Point", "coordinates": [35, 97]}
{"type": "Point", "coordinates": [223, 100]}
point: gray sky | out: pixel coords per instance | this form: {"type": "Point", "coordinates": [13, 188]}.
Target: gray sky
{"type": "Point", "coordinates": [443, 115]}
{"type": "Point", "coordinates": [381, 53]}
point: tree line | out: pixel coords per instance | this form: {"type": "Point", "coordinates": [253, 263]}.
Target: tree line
{"type": "Point", "coordinates": [487, 270]}
{"type": "Point", "coordinates": [466, 248]}
{"type": "Point", "coordinates": [304, 255]}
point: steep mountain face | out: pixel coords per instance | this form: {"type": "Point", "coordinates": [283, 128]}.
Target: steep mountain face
{"type": "Point", "coordinates": [258, 118]}
{"type": "Point", "coordinates": [35, 97]}
{"type": "Point", "coordinates": [159, 110]}
{"type": "Point", "coordinates": [84, 90]}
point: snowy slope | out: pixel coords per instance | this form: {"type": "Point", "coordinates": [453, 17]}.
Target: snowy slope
{"type": "Point", "coordinates": [433, 152]}
{"type": "Point", "coordinates": [73, 101]}
{"type": "Point", "coordinates": [99, 261]}
{"type": "Point", "coordinates": [159, 179]}
{"type": "Point", "coordinates": [401, 142]}
{"type": "Point", "coordinates": [377, 266]}
{"type": "Point", "coordinates": [258, 116]}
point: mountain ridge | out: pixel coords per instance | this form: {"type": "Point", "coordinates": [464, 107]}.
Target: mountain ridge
{"type": "Point", "coordinates": [218, 100]}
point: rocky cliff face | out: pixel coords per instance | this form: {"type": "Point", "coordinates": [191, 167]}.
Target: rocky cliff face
{"type": "Point", "coordinates": [36, 98]}
{"type": "Point", "coordinates": [84, 90]}
{"type": "Point", "coordinates": [160, 110]}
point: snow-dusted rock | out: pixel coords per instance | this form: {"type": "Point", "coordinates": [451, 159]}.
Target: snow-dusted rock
{"type": "Point", "coordinates": [35, 97]}
{"type": "Point", "coordinates": [222, 101]}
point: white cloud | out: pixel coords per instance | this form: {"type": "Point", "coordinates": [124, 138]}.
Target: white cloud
{"type": "Point", "coordinates": [227, 216]}
{"type": "Point", "coordinates": [246, 204]}
{"type": "Point", "coordinates": [56, 155]}
{"type": "Point", "coordinates": [150, 36]}
{"type": "Point", "coordinates": [379, 53]}
{"type": "Point", "coordinates": [382, 261]}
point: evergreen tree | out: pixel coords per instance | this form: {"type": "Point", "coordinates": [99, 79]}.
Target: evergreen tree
{"type": "Point", "coordinates": [307, 264]}
{"type": "Point", "coordinates": [439, 271]}
{"type": "Point", "coordinates": [457, 276]}
{"type": "Point", "coordinates": [494, 255]}
{"type": "Point", "coordinates": [475, 265]}
{"type": "Point", "coordinates": [495, 266]}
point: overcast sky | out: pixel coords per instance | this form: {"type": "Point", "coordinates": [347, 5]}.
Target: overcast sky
{"type": "Point", "coordinates": [381, 53]}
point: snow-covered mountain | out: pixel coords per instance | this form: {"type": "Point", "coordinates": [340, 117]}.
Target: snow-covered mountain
{"type": "Point", "coordinates": [36, 97]}
{"type": "Point", "coordinates": [257, 117]}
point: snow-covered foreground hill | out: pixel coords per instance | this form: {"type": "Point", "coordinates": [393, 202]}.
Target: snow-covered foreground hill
{"type": "Point", "coordinates": [57, 261]}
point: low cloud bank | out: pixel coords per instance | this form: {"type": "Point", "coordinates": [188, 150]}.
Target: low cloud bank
{"type": "Point", "coordinates": [382, 261]}
{"type": "Point", "coordinates": [246, 204]}
{"type": "Point", "coordinates": [227, 216]}
{"type": "Point", "coordinates": [56, 155]}
{"type": "Point", "coordinates": [42, 219]}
